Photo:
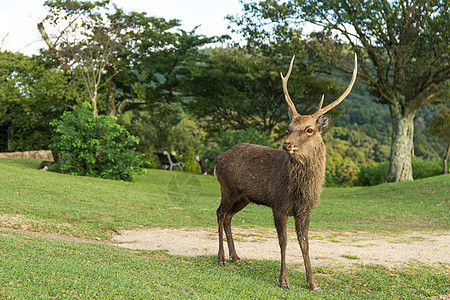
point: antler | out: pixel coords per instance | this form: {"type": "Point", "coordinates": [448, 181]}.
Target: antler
{"type": "Point", "coordinates": [320, 111]}
{"type": "Point", "coordinates": [292, 110]}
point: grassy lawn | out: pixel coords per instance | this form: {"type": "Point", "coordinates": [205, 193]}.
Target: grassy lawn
{"type": "Point", "coordinates": [94, 208]}
{"type": "Point", "coordinates": [35, 267]}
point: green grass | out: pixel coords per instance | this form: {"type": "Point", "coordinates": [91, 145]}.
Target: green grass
{"type": "Point", "coordinates": [36, 267]}
{"type": "Point", "coordinates": [95, 208]}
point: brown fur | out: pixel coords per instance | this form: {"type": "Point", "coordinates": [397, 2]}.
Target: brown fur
{"type": "Point", "coordinates": [43, 166]}
{"type": "Point", "coordinates": [290, 181]}
{"type": "Point", "coordinates": [290, 184]}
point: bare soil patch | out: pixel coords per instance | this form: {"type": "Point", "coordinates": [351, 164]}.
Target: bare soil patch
{"type": "Point", "coordinates": [326, 246]}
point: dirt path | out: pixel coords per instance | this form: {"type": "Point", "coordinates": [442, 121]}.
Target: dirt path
{"type": "Point", "coordinates": [325, 246]}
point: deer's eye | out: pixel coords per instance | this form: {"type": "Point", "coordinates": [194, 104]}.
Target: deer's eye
{"type": "Point", "coordinates": [309, 131]}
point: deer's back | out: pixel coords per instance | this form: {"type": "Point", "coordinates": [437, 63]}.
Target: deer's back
{"type": "Point", "coordinates": [256, 172]}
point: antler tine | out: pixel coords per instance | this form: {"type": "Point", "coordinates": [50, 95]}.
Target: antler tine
{"type": "Point", "coordinates": [320, 104]}
{"type": "Point", "coordinates": [285, 89]}
{"type": "Point", "coordinates": [322, 111]}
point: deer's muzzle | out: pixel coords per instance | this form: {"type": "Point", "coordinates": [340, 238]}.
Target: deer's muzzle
{"type": "Point", "coordinates": [289, 147]}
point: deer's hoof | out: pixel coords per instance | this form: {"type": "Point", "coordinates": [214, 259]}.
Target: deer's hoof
{"type": "Point", "coordinates": [241, 262]}
{"type": "Point", "coordinates": [222, 264]}
{"type": "Point", "coordinates": [318, 290]}
{"type": "Point", "coordinates": [286, 287]}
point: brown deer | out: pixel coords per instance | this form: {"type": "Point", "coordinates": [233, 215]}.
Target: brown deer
{"type": "Point", "coordinates": [44, 165]}
{"type": "Point", "coordinates": [290, 181]}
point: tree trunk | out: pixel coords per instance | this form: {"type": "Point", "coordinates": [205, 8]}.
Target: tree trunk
{"type": "Point", "coordinates": [446, 159]}
{"type": "Point", "coordinates": [112, 108]}
{"type": "Point", "coordinates": [94, 102]}
{"type": "Point", "coordinates": [51, 47]}
{"type": "Point", "coordinates": [9, 138]}
{"type": "Point", "coordinates": [400, 168]}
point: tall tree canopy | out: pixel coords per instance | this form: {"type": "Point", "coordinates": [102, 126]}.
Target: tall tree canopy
{"type": "Point", "coordinates": [403, 48]}
{"type": "Point", "coordinates": [32, 93]}
{"type": "Point", "coordinates": [120, 58]}
{"type": "Point", "coordinates": [235, 90]}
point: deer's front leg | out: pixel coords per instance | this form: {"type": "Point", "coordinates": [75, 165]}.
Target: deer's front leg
{"type": "Point", "coordinates": [302, 227]}
{"type": "Point", "coordinates": [280, 225]}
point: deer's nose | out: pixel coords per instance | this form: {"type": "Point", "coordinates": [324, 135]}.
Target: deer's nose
{"type": "Point", "coordinates": [287, 146]}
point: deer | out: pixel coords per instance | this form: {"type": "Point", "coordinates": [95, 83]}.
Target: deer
{"type": "Point", "coordinates": [44, 165]}
{"type": "Point", "coordinates": [289, 181]}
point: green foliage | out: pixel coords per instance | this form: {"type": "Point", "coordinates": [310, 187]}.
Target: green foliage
{"type": "Point", "coordinates": [120, 57]}
{"type": "Point", "coordinates": [227, 139]}
{"type": "Point", "coordinates": [166, 127]}
{"type": "Point", "coordinates": [376, 173]}
{"type": "Point", "coordinates": [440, 127]}
{"type": "Point", "coordinates": [423, 168]}
{"type": "Point", "coordinates": [341, 171]}
{"type": "Point", "coordinates": [236, 90]}
{"type": "Point", "coordinates": [407, 41]}
{"type": "Point", "coordinates": [94, 146]}
{"type": "Point", "coordinates": [349, 149]}
{"type": "Point", "coordinates": [31, 94]}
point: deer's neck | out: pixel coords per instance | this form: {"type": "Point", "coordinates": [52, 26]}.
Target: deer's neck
{"type": "Point", "coordinates": [306, 179]}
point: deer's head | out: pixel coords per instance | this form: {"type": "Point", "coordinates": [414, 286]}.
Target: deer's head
{"type": "Point", "coordinates": [304, 131]}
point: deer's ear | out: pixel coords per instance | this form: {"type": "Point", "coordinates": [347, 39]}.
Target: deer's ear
{"type": "Point", "coordinates": [323, 122]}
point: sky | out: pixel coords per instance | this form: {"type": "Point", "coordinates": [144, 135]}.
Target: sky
{"type": "Point", "coordinates": [18, 18]}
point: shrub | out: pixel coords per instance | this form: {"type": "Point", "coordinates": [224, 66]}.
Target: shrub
{"type": "Point", "coordinates": [340, 171]}
{"type": "Point", "coordinates": [423, 168]}
{"type": "Point", "coordinates": [376, 173]}
{"type": "Point", "coordinates": [94, 146]}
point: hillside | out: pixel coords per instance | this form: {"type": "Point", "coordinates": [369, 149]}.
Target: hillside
{"type": "Point", "coordinates": [373, 120]}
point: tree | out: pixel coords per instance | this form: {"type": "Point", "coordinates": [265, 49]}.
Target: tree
{"type": "Point", "coordinates": [86, 47]}
{"type": "Point", "coordinates": [440, 127]}
{"type": "Point", "coordinates": [235, 90]}
{"type": "Point", "coordinates": [121, 58]}
{"type": "Point", "coordinates": [165, 127]}
{"type": "Point", "coordinates": [32, 92]}
{"type": "Point", "coordinates": [402, 47]}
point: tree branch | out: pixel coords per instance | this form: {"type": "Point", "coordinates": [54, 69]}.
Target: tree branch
{"type": "Point", "coordinates": [52, 49]}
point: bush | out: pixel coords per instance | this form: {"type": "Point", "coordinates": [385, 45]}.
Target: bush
{"type": "Point", "coordinates": [340, 171]}
{"type": "Point", "coordinates": [227, 139]}
{"type": "Point", "coordinates": [376, 173]}
{"type": "Point", "coordinates": [94, 146]}
{"type": "Point", "coordinates": [423, 168]}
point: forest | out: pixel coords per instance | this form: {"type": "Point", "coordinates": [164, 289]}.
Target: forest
{"type": "Point", "coordinates": [163, 88]}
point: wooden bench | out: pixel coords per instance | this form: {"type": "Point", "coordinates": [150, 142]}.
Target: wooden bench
{"type": "Point", "coordinates": [165, 160]}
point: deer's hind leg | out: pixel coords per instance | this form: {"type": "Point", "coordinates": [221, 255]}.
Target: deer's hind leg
{"type": "Point", "coordinates": [220, 218]}
{"type": "Point", "coordinates": [226, 203]}
{"type": "Point", "coordinates": [237, 206]}
{"type": "Point", "coordinates": [230, 205]}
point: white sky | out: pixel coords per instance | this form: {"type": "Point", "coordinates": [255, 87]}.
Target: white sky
{"type": "Point", "coordinates": [18, 18]}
